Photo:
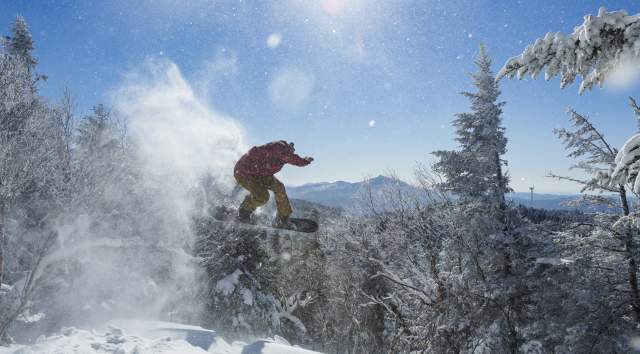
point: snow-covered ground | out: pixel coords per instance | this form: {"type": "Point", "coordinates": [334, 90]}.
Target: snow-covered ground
{"type": "Point", "coordinates": [151, 337]}
{"type": "Point", "coordinates": [72, 340]}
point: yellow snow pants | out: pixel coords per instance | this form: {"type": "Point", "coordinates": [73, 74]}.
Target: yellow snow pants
{"type": "Point", "coordinates": [259, 187]}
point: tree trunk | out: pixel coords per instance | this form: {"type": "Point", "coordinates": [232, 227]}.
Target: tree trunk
{"type": "Point", "coordinates": [3, 242]}
{"type": "Point", "coordinates": [632, 267]}
{"type": "Point", "coordinates": [623, 199]}
{"type": "Point", "coordinates": [633, 274]}
{"type": "Point", "coordinates": [502, 211]}
{"type": "Point", "coordinates": [501, 185]}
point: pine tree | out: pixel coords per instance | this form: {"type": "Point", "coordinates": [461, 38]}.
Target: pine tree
{"type": "Point", "coordinates": [241, 281]}
{"type": "Point", "coordinates": [474, 173]}
{"type": "Point", "coordinates": [96, 130]}
{"type": "Point", "coordinates": [20, 43]}
{"type": "Point", "coordinates": [98, 154]}
{"type": "Point", "coordinates": [18, 83]}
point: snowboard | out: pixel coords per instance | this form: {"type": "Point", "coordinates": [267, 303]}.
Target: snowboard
{"type": "Point", "coordinates": [295, 224]}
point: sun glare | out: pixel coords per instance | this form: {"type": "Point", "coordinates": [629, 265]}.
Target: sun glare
{"type": "Point", "coordinates": [333, 7]}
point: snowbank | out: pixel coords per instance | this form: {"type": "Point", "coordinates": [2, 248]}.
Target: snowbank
{"type": "Point", "coordinates": [114, 341]}
{"type": "Point", "coordinates": [152, 337]}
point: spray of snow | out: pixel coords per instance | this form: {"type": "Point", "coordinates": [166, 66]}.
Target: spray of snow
{"type": "Point", "coordinates": [144, 269]}
{"type": "Point", "coordinates": [179, 137]}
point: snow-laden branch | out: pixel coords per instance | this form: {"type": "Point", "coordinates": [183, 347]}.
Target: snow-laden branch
{"type": "Point", "coordinates": [628, 164]}
{"type": "Point", "coordinates": [592, 51]}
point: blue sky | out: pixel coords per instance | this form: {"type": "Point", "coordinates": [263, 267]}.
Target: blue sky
{"type": "Point", "coordinates": [365, 87]}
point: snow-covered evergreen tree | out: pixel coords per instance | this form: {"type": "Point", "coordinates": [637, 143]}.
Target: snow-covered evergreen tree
{"type": "Point", "coordinates": [305, 293]}
{"type": "Point", "coordinates": [20, 43]}
{"type": "Point", "coordinates": [241, 281]}
{"type": "Point", "coordinates": [474, 172]}
{"type": "Point", "coordinates": [99, 159]}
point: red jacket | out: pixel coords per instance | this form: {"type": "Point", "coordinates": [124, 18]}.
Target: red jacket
{"type": "Point", "coordinates": [268, 159]}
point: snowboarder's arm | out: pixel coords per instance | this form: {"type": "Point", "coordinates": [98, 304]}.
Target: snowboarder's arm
{"type": "Point", "coordinates": [297, 160]}
{"type": "Point", "coordinates": [294, 159]}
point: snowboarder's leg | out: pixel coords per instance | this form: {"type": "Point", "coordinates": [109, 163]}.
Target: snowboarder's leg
{"type": "Point", "coordinates": [259, 193]}
{"type": "Point", "coordinates": [282, 201]}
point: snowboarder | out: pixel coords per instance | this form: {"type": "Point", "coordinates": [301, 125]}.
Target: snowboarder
{"type": "Point", "coordinates": [255, 172]}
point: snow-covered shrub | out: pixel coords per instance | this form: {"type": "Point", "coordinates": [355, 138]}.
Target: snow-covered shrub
{"type": "Point", "coordinates": [241, 281]}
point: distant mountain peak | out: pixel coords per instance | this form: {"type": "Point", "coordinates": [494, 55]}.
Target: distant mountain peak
{"type": "Point", "coordinates": [344, 194]}
{"type": "Point", "coordinates": [387, 181]}
{"type": "Point", "coordinates": [380, 178]}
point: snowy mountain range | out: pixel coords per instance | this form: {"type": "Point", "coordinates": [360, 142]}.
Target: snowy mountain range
{"type": "Point", "coordinates": [346, 195]}
{"type": "Point", "coordinates": [349, 195]}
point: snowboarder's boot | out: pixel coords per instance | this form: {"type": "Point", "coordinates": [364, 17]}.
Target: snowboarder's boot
{"type": "Point", "coordinates": [244, 216]}
{"type": "Point", "coordinates": [281, 222]}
